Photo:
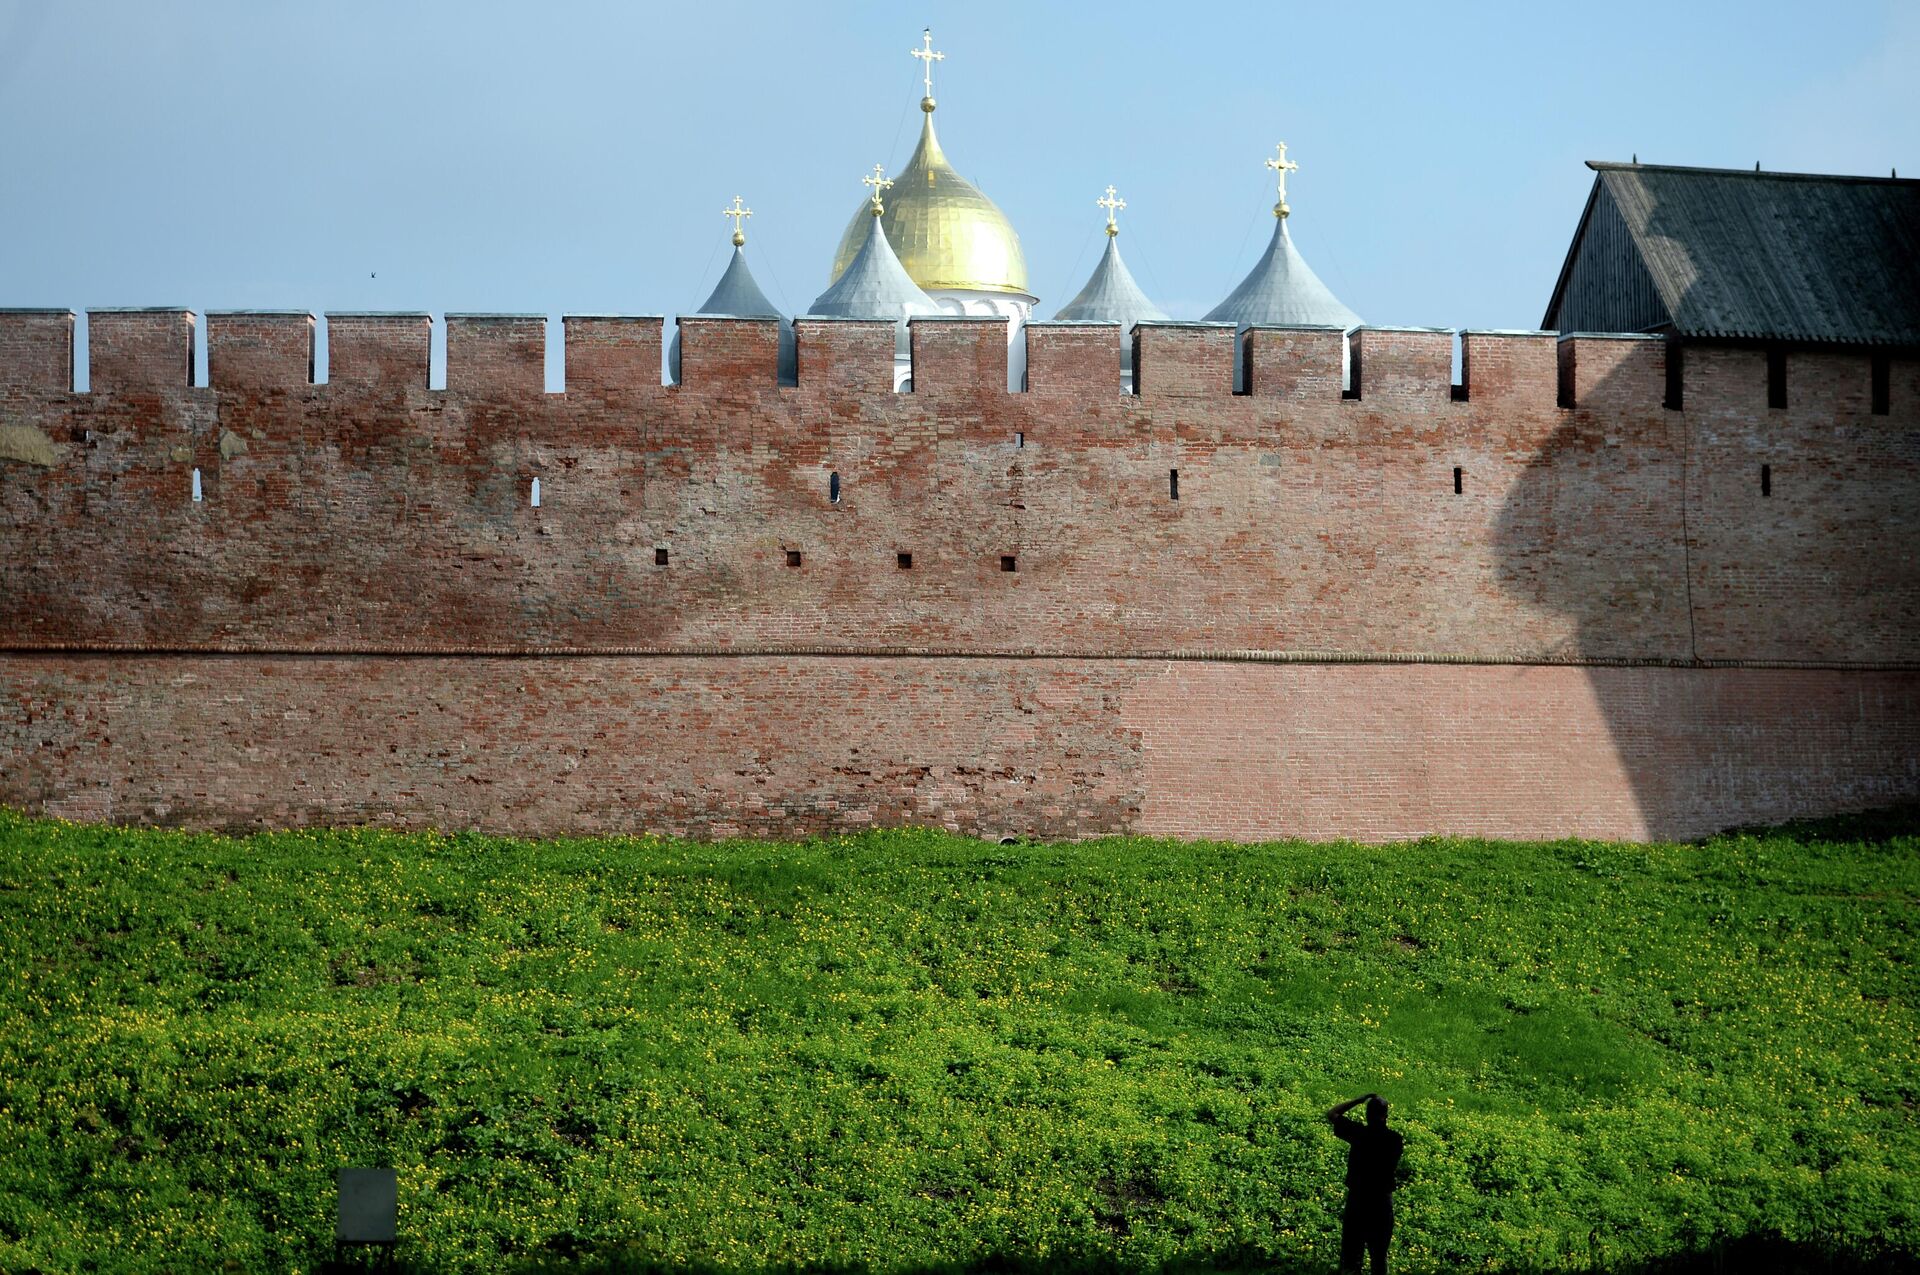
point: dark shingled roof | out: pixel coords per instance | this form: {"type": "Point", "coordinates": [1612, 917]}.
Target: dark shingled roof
{"type": "Point", "coordinates": [1711, 252]}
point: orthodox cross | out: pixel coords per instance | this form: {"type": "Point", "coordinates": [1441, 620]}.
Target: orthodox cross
{"type": "Point", "coordinates": [879, 181]}
{"type": "Point", "coordinates": [1112, 206]}
{"type": "Point", "coordinates": [1283, 166]}
{"type": "Point", "coordinates": [739, 215]}
{"type": "Point", "coordinates": [926, 54]}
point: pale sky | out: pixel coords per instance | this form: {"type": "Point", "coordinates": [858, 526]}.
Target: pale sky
{"type": "Point", "coordinates": [573, 158]}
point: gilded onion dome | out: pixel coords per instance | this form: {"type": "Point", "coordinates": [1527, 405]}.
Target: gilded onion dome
{"type": "Point", "coordinates": [946, 233]}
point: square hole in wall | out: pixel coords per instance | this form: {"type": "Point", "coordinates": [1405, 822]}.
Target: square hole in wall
{"type": "Point", "coordinates": [1008, 562]}
{"type": "Point", "coordinates": [903, 560]}
{"type": "Point", "coordinates": [793, 557]}
{"type": "Point", "coordinates": [659, 557]}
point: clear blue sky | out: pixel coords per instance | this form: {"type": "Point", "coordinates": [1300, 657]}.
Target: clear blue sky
{"type": "Point", "coordinates": [569, 157]}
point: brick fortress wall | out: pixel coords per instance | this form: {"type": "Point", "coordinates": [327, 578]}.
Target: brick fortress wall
{"type": "Point", "coordinates": [1539, 602]}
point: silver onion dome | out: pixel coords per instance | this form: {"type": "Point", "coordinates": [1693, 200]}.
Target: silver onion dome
{"type": "Point", "coordinates": [876, 286]}
{"type": "Point", "coordinates": [738, 296]}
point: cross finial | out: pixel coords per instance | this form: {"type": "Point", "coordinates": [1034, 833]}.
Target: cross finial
{"type": "Point", "coordinates": [739, 215]}
{"type": "Point", "coordinates": [879, 181]}
{"type": "Point", "coordinates": [926, 54]}
{"type": "Point", "coordinates": [1112, 206]}
{"type": "Point", "coordinates": [1283, 166]}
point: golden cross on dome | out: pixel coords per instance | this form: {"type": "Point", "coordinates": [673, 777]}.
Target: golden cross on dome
{"type": "Point", "coordinates": [879, 182]}
{"type": "Point", "coordinates": [926, 54]}
{"type": "Point", "coordinates": [1283, 166]}
{"type": "Point", "coordinates": [739, 215]}
{"type": "Point", "coordinates": [1112, 206]}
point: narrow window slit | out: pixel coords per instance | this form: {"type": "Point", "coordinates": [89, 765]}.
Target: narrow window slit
{"type": "Point", "coordinates": [833, 487]}
{"type": "Point", "coordinates": [1766, 480]}
{"type": "Point", "coordinates": [1882, 376]}
{"type": "Point", "coordinates": [1008, 562]}
{"type": "Point", "coordinates": [1173, 484]}
{"type": "Point", "coordinates": [1776, 378]}
{"type": "Point", "coordinates": [1456, 480]}
{"type": "Point", "coordinates": [536, 493]}
{"type": "Point", "coordinates": [1020, 438]}
{"type": "Point", "coordinates": [903, 560]}
{"type": "Point", "coordinates": [196, 484]}
{"type": "Point", "coordinates": [659, 557]}
{"type": "Point", "coordinates": [1676, 377]}
{"type": "Point", "coordinates": [793, 557]}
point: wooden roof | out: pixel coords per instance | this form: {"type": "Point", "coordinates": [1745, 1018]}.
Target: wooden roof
{"type": "Point", "coordinates": [1725, 253]}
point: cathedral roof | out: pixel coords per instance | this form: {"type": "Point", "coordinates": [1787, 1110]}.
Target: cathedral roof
{"type": "Point", "coordinates": [946, 233]}
{"type": "Point", "coordinates": [737, 294]}
{"type": "Point", "coordinates": [1283, 290]}
{"type": "Point", "coordinates": [874, 285]}
{"type": "Point", "coordinates": [1111, 295]}
{"type": "Point", "coordinates": [1727, 253]}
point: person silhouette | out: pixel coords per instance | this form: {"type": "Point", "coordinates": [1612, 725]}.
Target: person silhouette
{"type": "Point", "coordinates": [1373, 1160]}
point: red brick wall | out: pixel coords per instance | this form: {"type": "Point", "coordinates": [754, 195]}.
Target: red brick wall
{"type": "Point", "coordinates": [370, 513]}
{"type": "Point", "coordinates": [724, 746]}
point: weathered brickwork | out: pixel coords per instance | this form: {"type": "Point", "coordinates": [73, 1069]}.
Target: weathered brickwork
{"type": "Point", "coordinates": [689, 558]}
{"type": "Point", "coordinates": [782, 746]}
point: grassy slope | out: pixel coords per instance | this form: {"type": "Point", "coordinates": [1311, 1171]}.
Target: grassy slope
{"type": "Point", "coordinates": [908, 1047]}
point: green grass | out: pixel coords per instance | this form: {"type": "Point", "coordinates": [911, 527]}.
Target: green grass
{"type": "Point", "coordinates": [907, 1049]}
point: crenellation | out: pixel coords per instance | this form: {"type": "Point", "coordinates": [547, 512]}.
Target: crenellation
{"type": "Point", "coordinates": [140, 350]}
{"type": "Point", "coordinates": [958, 354]}
{"type": "Point", "coordinates": [1071, 359]}
{"type": "Point", "coordinates": [720, 356]}
{"type": "Point", "coordinates": [502, 355]}
{"type": "Point", "coordinates": [1173, 359]}
{"type": "Point", "coordinates": [379, 351]}
{"type": "Point", "coordinates": [1510, 369]}
{"type": "Point", "coordinates": [612, 354]}
{"type": "Point", "coordinates": [845, 358]}
{"type": "Point", "coordinates": [1299, 364]}
{"type": "Point", "coordinates": [1326, 533]}
{"type": "Point", "coordinates": [1601, 371]}
{"type": "Point", "coordinates": [1403, 369]}
{"type": "Point", "coordinates": [259, 349]}
{"type": "Point", "coordinates": [36, 351]}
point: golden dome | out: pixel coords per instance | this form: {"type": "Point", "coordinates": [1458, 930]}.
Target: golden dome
{"type": "Point", "coordinates": [945, 232]}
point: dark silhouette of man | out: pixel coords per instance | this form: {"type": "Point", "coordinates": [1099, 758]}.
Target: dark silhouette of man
{"type": "Point", "coordinates": [1373, 1158]}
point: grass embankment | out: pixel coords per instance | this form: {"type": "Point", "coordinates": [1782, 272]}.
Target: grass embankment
{"type": "Point", "coordinates": [907, 1048]}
